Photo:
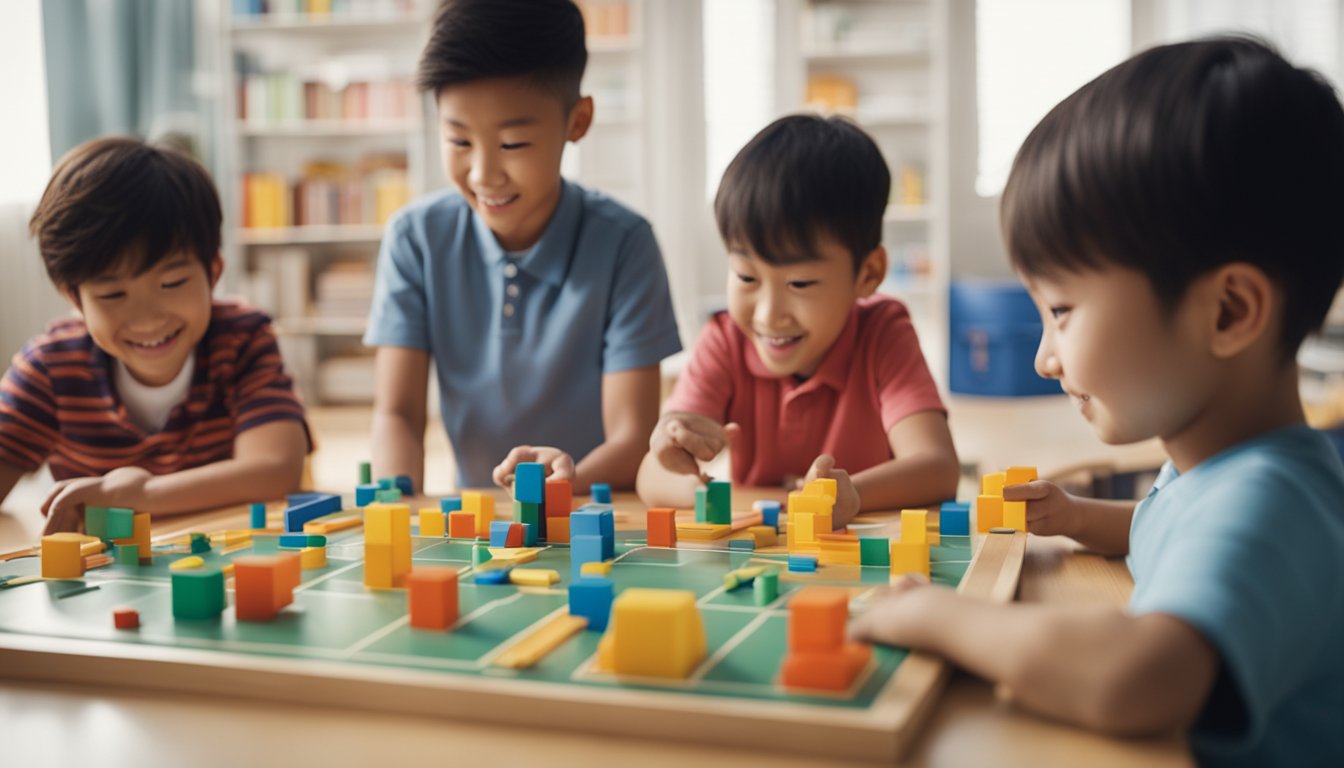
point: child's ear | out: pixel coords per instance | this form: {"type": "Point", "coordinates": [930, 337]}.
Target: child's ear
{"type": "Point", "coordinates": [1246, 302]}
{"type": "Point", "coordinates": [216, 269]}
{"type": "Point", "coordinates": [872, 271]}
{"type": "Point", "coordinates": [580, 119]}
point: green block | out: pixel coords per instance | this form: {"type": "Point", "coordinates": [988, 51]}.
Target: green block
{"type": "Point", "coordinates": [128, 554]}
{"type": "Point", "coordinates": [365, 473]}
{"type": "Point", "coordinates": [387, 495]}
{"type": "Point", "coordinates": [480, 555]}
{"type": "Point", "coordinates": [317, 540]}
{"type": "Point", "coordinates": [387, 483]}
{"type": "Point", "coordinates": [875, 552]}
{"type": "Point", "coordinates": [199, 543]}
{"type": "Point", "coordinates": [120, 523]}
{"type": "Point", "coordinates": [719, 506]}
{"type": "Point", "coordinates": [701, 505]}
{"type": "Point", "coordinates": [198, 594]}
{"type": "Point", "coordinates": [95, 522]}
{"type": "Point", "coordinates": [765, 588]}
{"type": "Point", "coordinates": [527, 512]}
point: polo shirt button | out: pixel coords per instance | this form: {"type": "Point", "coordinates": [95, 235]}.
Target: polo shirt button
{"type": "Point", "coordinates": [512, 290]}
{"type": "Point", "coordinates": [508, 310]}
{"type": "Point", "coordinates": [510, 270]}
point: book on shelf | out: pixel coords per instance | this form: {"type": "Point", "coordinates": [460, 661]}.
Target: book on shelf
{"type": "Point", "coordinates": [344, 289]}
{"type": "Point", "coordinates": [328, 194]}
{"type": "Point", "coordinates": [323, 9]}
{"type": "Point", "coordinates": [353, 88]}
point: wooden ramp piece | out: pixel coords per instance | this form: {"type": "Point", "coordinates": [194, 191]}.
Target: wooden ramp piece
{"type": "Point", "coordinates": [543, 640]}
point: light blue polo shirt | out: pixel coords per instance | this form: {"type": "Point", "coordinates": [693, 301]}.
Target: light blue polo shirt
{"type": "Point", "coordinates": [521, 342]}
{"type": "Point", "coordinates": [1248, 548]}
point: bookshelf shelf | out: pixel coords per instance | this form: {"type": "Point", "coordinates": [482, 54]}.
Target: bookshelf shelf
{"type": "Point", "coordinates": [312, 235]}
{"type": "Point", "coordinates": [316, 128]}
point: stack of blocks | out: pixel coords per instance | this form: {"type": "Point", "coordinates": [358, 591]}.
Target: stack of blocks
{"type": "Point", "coordinates": [480, 508]}
{"type": "Point", "coordinates": [653, 633]}
{"type": "Point", "coordinates": [809, 514]}
{"type": "Point", "coordinates": [911, 553]}
{"type": "Point", "coordinates": [818, 657]}
{"type": "Point", "coordinates": [529, 500]}
{"type": "Point", "coordinates": [387, 545]}
{"type": "Point", "coordinates": [592, 536]}
{"type": "Point", "coordinates": [992, 511]}
{"type": "Point", "coordinates": [263, 584]}
{"type": "Point", "coordinates": [432, 597]}
{"type": "Point", "coordinates": [559, 503]}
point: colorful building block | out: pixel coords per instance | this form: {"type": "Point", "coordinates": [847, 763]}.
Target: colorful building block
{"type": "Point", "coordinates": [595, 519]}
{"type": "Point", "coordinates": [186, 563]}
{"type": "Point", "coordinates": [822, 486]}
{"type": "Point", "coordinates": [992, 484]}
{"type": "Point", "coordinates": [662, 527]}
{"type": "Point", "coordinates": [601, 493]}
{"type": "Point", "coordinates": [875, 552]}
{"type": "Point", "coordinates": [653, 633]}
{"type": "Point", "coordinates": [62, 557]}
{"type": "Point", "coordinates": [499, 533]}
{"type": "Point", "coordinates": [702, 505]}
{"type": "Point", "coordinates": [480, 555]}
{"type": "Point", "coordinates": [1019, 475]}
{"type": "Point", "coordinates": [311, 558]}
{"type": "Point", "coordinates": [404, 485]}
{"type": "Point", "coordinates": [954, 519]}
{"type": "Point", "coordinates": [264, 584]}
{"type": "Point", "coordinates": [529, 483]}
{"type": "Point", "coordinates": [833, 671]}
{"type": "Point", "coordinates": [591, 598]}
{"type": "Point", "coordinates": [125, 618]}
{"type": "Point", "coordinates": [769, 513]}
{"type": "Point", "coordinates": [1015, 515]}
{"type": "Point", "coordinates": [909, 557]}
{"type": "Point", "coordinates": [559, 499]}
{"type": "Point", "coordinates": [817, 618]}
{"type": "Point", "coordinates": [988, 513]}
{"type": "Point", "coordinates": [765, 535]}
{"type": "Point", "coordinates": [595, 568]}
{"type": "Point", "coordinates": [387, 496]}
{"type": "Point", "coordinates": [839, 549]}
{"type": "Point", "coordinates": [800, 563]}
{"type": "Point", "coordinates": [801, 532]}
{"type": "Point", "coordinates": [529, 513]}
{"type": "Point", "coordinates": [387, 545]}
{"type": "Point", "coordinates": [534, 577]}
{"type": "Point", "coordinates": [450, 504]}
{"type": "Point", "coordinates": [258, 515]}
{"type": "Point", "coordinates": [431, 594]}
{"type": "Point", "coordinates": [127, 554]}
{"type": "Point", "coordinates": [140, 532]}
{"type": "Point", "coordinates": [557, 530]}
{"type": "Point", "coordinates": [198, 593]}
{"type": "Point", "coordinates": [365, 472]}
{"type": "Point", "coordinates": [765, 588]}
{"type": "Point", "coordinates": [742, 545]}
{"type": "Point", "coordinates": [109, 522]}
{"type": "Point", "coordinates": [493, 575]}
{"type": "Point", "coordinates": [432, 523]}
{"type": "Point", "coordinates": [303, 507]}
{"type": "Point", "coordinates": [461, 525]}
{"type": "Point", "coordinates": [584, 548]}
{"type": "Point", "coordinates": [719, 502]}
{"type": "Point", "coordinates": [365, 494]}
{"type": "Point", "coordinates": [482, 505]}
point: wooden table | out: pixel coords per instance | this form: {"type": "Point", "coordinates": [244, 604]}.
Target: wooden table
{"type": "Point", "coordinates": [58, 724]}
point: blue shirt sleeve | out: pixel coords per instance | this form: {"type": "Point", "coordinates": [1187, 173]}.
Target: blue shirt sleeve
{"type": "Point", "coordinates": [398, 315]}
{"type": "Point", "coordinates": [641, 327]}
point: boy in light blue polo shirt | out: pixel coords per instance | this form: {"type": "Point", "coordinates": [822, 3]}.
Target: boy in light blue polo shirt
{"type": "Point", "coordinates": [1176, 222]}
{"type": "Point", "coordinates": [543, 306]}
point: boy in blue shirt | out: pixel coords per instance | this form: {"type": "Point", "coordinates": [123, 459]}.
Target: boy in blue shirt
{"type": "Point", "coordinates": [1176, 221]}
{"type": "Point", "coordinates": [543, 306]}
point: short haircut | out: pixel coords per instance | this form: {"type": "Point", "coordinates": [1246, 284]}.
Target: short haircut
{"type": "Point", "coordinates": [115, 202]}
{"type": "Point", "coordinates": [1183, 159]}
{"type": "Point", "coordinates": [539, 40]}
{"type": "Point", "coordinates": [804, 177]}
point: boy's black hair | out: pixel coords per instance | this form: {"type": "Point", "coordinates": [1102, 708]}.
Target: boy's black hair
{"type": "Point", "coordinates": [115, 202]}
{"type": "Point", "coordinates": [801, 177]}
{"type": "Point", "coordinates": [541, 40]}
{"type": "Point", "coordinates": [1182, 159]}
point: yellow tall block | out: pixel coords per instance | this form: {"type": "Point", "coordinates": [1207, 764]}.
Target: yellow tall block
{"type": "Point", "coordinates": [1015, 515]}
{"type": "Point", "coordinates": [822, 486]}
{"type": "Point", "coordinates": [653, 633]}
{"type": "Point", "coordinates": [378, 566]}
{"type": "Point", "coordinates": [909, 558]}
{"type": "Point", "coordinates": [988, 513]}
{"type": "Point", "coordinates": [1019, 475]}
{"type": "Point", "coordinates": [992, 484]}
{"type": "Point", "coordinates": [818, 507]}
{"type": "Point", "coordinates": [915, 526]}
{"type": "Point", "coordinates": [61, 556]}
{"type": "Point", "coordinates": [432, 523]}
{"type": "Point", "coordinates": [482, 505]}
{"type": "Point", "coordinates": [388, 525]}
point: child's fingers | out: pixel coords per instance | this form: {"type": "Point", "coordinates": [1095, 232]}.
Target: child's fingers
{"type": "Point", "coordinates": [678, 461]}
{"type": "Point", "coordinates": [821, 466]}
{"type": "Point", "coordinates": [702, 447]}
{"type": "Point", "coordinates": [562, 466]}
{"type": "Point", "coordinates": [1033, 491]}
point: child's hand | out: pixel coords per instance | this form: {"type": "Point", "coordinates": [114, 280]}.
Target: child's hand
{"type": "Point", "coordinates": [64, 505]}
{"type": "Point", "coordinates": [559, 465]}
{"type": "Point", "coordinates": [1050, 511]}
{"type": "Point", "coordinates": [846, 495]}
{"type": "Point", "coordinates": [897, 612]}
{"type": "Point", "coordinates": [681, 440]}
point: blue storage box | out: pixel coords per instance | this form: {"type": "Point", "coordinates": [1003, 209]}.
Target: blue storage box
{"type": "Point", "coordinates": [995, 331]}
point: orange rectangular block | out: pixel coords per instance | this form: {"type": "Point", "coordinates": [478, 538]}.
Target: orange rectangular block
{"type": "Point", "coordinates": [261, 586]}
{"type": "Point", "coordinates": [988, 513]}
{"type": "Point", "coordinates": [662, 526]}
{"type": "Point", "coordinates": [1019, 475]}
{"type": "Point", "coordinates": [557, 530]}
{"type": "Point", "coordinates": [825, 671]}
{"type": "Point", "coordinates": [432, 597]}
{"type": "Point", "coordinates": [559, 499]}
{"type": "Point", "coordinates": [461, 525]}
{"type": "Point", "coordinates": [817, 617]}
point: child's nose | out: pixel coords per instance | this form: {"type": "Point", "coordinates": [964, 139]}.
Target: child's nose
{"type": "Point", "coordinates": [485, 169]}
{"type": "Point", "coordinates": [1047, 363]}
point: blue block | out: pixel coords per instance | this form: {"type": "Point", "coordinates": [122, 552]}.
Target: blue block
{"type": "Point", "coordinates": [309, 506]}
{"type": "Point", "coordinates": [588, 521]}
{"type": "Point", "coordinates": [601, 493]}
{"type": "Point", "coordinates": [299, 540]}
{"type": "Point", "coordinates": [584, 549]}
{"type": "Point", "coordinates": [770, 513]}
{"type": "Point", "coordinates": [258, 515]}
{"type": "Point", "coordinates": [450, 504]}
{"type": "Point", "coordinates": [529, 483]}
{"type": "Point", "coordinates": [954, 519]}
{"type": "Point", "coordinates": [802, 563]}
{"type": "Point", "coordinates": [387, 483]}
{"type": "Point", "coordinates": [499, 533]}
{"type": "Point", "coordinates": [493, 576]}
{"type": "Point", "coordinates": [403, 483]}
{"type": "Point", "coordinates": [591, 598]}
{"type": "Point", "coordinates": [364, 494]}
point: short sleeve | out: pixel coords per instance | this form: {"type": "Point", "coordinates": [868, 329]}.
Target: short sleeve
{"type": "Point", "coordinates": [641, 328]}
{"type": "Point", "coordinates": [904, 384]}
{"type": "Point", "coordinates": [263, 392]}
{"type": "Point", "coordinates": [705, 385]}
{"type": "Point", "coordinates": [398, 315]}
{"type": "Point", "coordinates": [29, 428]}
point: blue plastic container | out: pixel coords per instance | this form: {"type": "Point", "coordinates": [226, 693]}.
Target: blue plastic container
{"type": "Point", "coordinates": [995, 330]}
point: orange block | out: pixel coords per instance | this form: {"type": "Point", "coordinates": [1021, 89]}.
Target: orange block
{"type": "Point", "coordinates": [1019, 475]}
{"type": "Point", "coordinates": [432, 595]}
{"type": "Point", "coordinates": [557, 530]}
{"type": "Point", "coordinates": [988, 513]}
{"type": "Point", "coordinates": [662, 525]}
{"type": "Point", "coordinates": [263, 584]}
{"type": "Point", "coordinates": [559, 500]}
{"type": "Point", "coordinates": [817, 617]}
{"type": "Point", "coordinates": [826, 671]}
{"type": "Point", "coordinates": [461, 525]}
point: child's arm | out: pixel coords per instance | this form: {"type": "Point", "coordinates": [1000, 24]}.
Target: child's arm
{"type": "Point", "coordinates": [401, 379]}
{"type": "Point", "coordinates": [267, 463]}
{"type": "Point", "coordinates": [924, 470]}
{"type": "Point", "coordinates": [1098, 524]}
{"type": "Point", "coordinates": [670, 472]}
{"type": "Point", "coordinates": [1092, 666]}
{"type": "Point", "coordinates": [629, 412]}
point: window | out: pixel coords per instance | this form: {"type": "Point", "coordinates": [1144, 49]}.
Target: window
{"type": "Point", "coordinates": [25, 145]}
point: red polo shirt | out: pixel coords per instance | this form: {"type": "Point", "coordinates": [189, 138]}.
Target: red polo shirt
{"type": "Point", "coordinates": [871, 378]}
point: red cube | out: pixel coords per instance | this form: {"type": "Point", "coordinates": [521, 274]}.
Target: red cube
{"type": "Point", "coordinates": [662, 525]}
{"type": "Point", "coordinates": [559, 498]}
{"type": "Point", "coordinates": [126, 618]}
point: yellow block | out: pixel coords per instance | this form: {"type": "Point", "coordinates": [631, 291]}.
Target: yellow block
{"type": "Point", "coordinates": [482, 505]}
{"type": "Point", "coordinates": [182, 564]}
{"type": "Point", "coordinates": [231, 537]}
{"type": "Point", "coordinates": [226, 569]}
{"type": "Point", "coordinates": [653, 633]}
{"type": "Point", "coordinates": [909, 558]}
{"type": "Point", "coordinates": [822, 486]}
{"type": "Point", "coordinates": [594, 568]}
{"type": "Point", "coordinates": [988, 513]}
{"type": "Point", "coordinates": [61, 556]}
{"type": "Point", "coordinates": [533, 577]}
{"type": "Point", "coordinates": [992, 484]}
{"type": "Point", "coordinates": [378, 566]}
{"type": "Point", "coordinates": [702, 531]}
{"type": "Point", "coordinates": [312, 557]}
{"type": "Point", "coordinates": [331, 525]}
{"type": "Point", "coordinates": [1019, 475]}
{"type": "Point", "coordinates": [839, 550]}
{"type": "Point", "coordinates": [1015, 515]}
{"type": "Point", "coordinates": [432, 523]}
{"type": "Point", "coordinates": [512, 555]}
{"type": "Point", "coordinates": [390, 524]}
{"type": "Point", "coordinates": [933, 535]}
{"type": "Point", "coordinates": [765, 535]}
{"type": "Point", "coordinates": [802, 529]}
{"type": "Point", "coordinates": [534, 647]}
{"type": "Point", "coordinates": [915, 526]}
{"type": "Point", "coordinates": [92, 547]}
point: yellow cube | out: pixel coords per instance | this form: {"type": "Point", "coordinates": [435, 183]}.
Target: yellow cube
{"type": "Point", "coordinates": [533, 577]}
{"type": "Point", "coordinates": [915, 526]}
{"type": "Point", "coordinates": [765, 535]}
{"type": "Point", "coordinates": [432, 523]}
{"type": "Point", "coordinates": [909, 558]}
{"type": "Point", "coordinates": [482, 505]}
{"type": "Point", "coordinates": [988, 513]}
{"type": "Point", "coordinates": [653, 633]}
{"type": "Point", "coordinates": [1015, 515]}
{"type": "Point", "coordinates": [61, 556]}
{"type": "Point", "coordinates": [822, 486]}
{"type": "Point", "coordinates": [1019, 475]}
{"type": "Point", "coordinates": [992, 484]}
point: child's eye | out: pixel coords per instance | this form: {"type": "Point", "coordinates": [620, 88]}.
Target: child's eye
{"type": "Point", "coordinates": [745, 278]}
{"type": "Point", "coordinates": [800, 284]}
{"type": "Point", "coordinates": [176, 283]}
{"type": "Point", "coordinates": [460, 143]}
{"type": "Point", "coordinates": [111, 295]}
{"type": "Point", "coordinates": [1058, 312]}
{"type": "Point", "coordinates": [518, 145]}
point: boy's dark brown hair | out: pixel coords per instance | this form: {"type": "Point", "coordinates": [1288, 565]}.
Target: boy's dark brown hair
{"type": "Point", "coordinates": [541, 40]}
{"type": "Point", "coordinates": [1182, 159]}
{"type": "Point", "coordinates": [119, 202]}
{"type": "Point", "coordinates": [800, 178]}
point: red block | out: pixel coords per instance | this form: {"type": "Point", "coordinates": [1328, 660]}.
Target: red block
{"type": "Point", "coordinates": [263, 584]}
{"type": "Point", "coordinates": [126, 618]}
{"type": "Point", "coordinates": [432, 597]}
{"type": "Point", "coordinates": [559, 498]}
{"type": "Point", "coordinates": [515, 537]}
{"type": "Point", "coordinates": [662, 525]}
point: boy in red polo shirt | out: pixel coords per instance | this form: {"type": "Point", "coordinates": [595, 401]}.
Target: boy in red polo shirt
{"type": "Point", "coordinates": [808, 373]}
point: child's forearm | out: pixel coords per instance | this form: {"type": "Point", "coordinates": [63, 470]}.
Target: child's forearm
{"type": "Point", "coordinates": [909, 481]}
{"type": "Point", "coordinates": [659, 487]}
{"type": "Point", "coordinates": [615, 462]}
{"type": "Point", "coordinates": [398, 447]}
{"type": "Point", "coordinates": [1104, 525]}
{"type": "Point", "coordinates": [221, 484]}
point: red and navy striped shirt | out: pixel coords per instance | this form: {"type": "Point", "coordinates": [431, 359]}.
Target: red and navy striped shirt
{"type": "Point", "coordinates": [58, 403]}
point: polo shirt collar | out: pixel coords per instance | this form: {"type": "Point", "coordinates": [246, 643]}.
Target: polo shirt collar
{"type": "Point", "coordinates": [835, 366]}
{"type": "Point", "coordinates": [549, 258]}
